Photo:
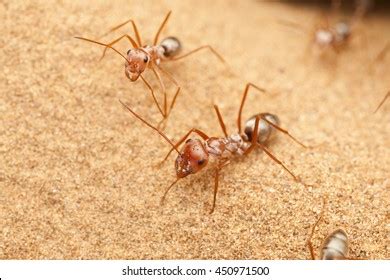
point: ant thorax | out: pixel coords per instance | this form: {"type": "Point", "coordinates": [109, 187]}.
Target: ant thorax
{"type": "Point", "coordinates": [226, 147]}
{"type": "Point", "coordinates": [335, 246]}
{"type": "Point", "coordinates": [156, 53]}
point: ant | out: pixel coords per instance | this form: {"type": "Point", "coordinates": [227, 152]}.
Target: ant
{"type": "Point", "coordinates": [141, 57]}
{"type": "Point", "coordinates": [196, 153]}
{"type": "Point", "coordinates": [335, 245]}
{"type": "Point", "coordinates": [382, 102]}
{"type": "Point", "coordinates": [335, 36]}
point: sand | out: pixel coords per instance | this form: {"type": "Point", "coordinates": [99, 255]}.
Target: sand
{"type": "Point", "coordinates": [78, 175]}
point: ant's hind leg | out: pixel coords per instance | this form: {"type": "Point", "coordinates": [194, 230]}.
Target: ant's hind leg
{"type": "Point", "coordinates": [245, 93]}
{"type": "Point", "coordinates": [274, 158]}
{"type": "Point", "coordinates": [283, 131]}
{"type": "Point", "coordinates": [210, 48]}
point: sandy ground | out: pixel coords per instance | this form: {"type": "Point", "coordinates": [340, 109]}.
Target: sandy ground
{"type": "Point", "coordinates": [78, 175]}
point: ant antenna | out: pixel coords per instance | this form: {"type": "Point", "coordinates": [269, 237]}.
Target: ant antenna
{"type": "Point", "coordinates": [102, 44]}
{"type": "Point", "coordinates": [167, 190]}
{"type": "Point", "coordinates": [151, 126]}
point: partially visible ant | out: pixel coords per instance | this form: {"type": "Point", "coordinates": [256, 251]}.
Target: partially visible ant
{"type": "Point", "coordinates": [141, 57]}
{"type": "Point", "coordinates": [336, 35]}
{"type": "Point", "coordinates": [196, 153]}
{"type": "Point", "coordinates": [334, 247]}
{"type": "Point", "coordinates": [382, 102]}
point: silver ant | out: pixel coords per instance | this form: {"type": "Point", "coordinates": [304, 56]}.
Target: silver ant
{"type": "Point", "coordinates": [141, 57]}
{"type": "Point", "coordinates": [335, 36]}
{"type": "Point", "coordinates": [196, 153]}
{"type": "Point", "coordinates": [334, 247]}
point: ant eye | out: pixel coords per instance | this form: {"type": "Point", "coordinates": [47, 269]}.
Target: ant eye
{"type": "Point", "coordinates": [146, 59]}
{"type": "Point", "coordinates": [128, 52]}
{"type": "Point", "coordinates": [201, 161]}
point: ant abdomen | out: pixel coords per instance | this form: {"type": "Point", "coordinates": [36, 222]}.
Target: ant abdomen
{"type": "Point", "coordinates": [171, 46]}
{"type": "Point", "coordinates": [342, 30]}
{"type": "Point", "coordinates": [265, 130]}
{"type": "Point", "coordinates": [335, 246]}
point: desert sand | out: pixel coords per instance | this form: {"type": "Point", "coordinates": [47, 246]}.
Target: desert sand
{"type": "Point", "coordinates": [79, 176]}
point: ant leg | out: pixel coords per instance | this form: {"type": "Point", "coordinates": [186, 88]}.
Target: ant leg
{"type": "Point", "coordinates": [197, 131]}
{"type": "Point", "coordinates": [283, 131]}
{"type": "Point", "coordinates": [173, 101]}
{"type": "Point", "coordinates": [254, 138]}
{"type": "Point", "coordinates": [216, 182]}
{"type": "Point", "coordinates": [308, 242]}
{"type": "Point", "coordinates": [243, 101]}
{"type": "Point", "coordinates": [254, 142]}
{"type": "Point", "coordinates": [383, 101]}
{"type": "Point", "coordinates": [162, 86]}
{"type": "Point", "coordinates": [198, 49]}
{"type": "Point", "coordinates": [382, 54]}
{"type": "Point", "coordinates": [268, 152]}
{"type": "Point", "coordinates": [161, 28]}
{"type": "Point", "coordinates": [137, 36]}
{"type": "Point", "coordinates": [220, 119]}
{"type": "Point", "coordinates": [154, 97]}
{"type": "Point", "coordinates": [116, 41]}
{"type": "Point", "coordinates": [106, 45]}
{"type": "Point", "coordinates": [293, 25]}
{"type": "Point", "coordinates": [172, 79]}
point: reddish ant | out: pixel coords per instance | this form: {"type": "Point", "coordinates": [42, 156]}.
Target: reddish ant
{"type": "Point", "coordinates": [141, 57]}
{"type": "Point", "coordinates": [335, 245]}
{"type": "Point", "coordinates": [382, 102]}
{"type": "Point", "coordinates": [196, 153]}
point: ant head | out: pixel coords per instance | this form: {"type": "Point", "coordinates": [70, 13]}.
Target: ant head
{"type": "Point", "coordinates": [192, 158]}
{"type": "Point", "coordinates": [137, 61]}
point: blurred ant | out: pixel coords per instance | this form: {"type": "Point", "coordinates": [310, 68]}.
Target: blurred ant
{"type": "Point", "coordinates": [196, 153]}
{"type": "Point", "coordinates": [335, 245]}
{"type": "Point", "coordinates": [141, 57]}
{"type": "Point", "coordinates": [335, 36]}
{"type": "Point", "coordinates": [382, 102]}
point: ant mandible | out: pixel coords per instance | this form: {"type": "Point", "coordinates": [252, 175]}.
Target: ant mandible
{"type": "Point", "coordinates": [142, 57]}
{"type": "Point", "coordinates": [196, 153]}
